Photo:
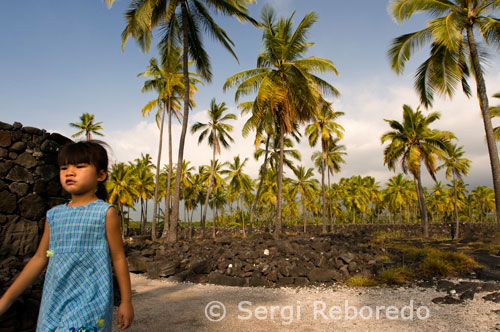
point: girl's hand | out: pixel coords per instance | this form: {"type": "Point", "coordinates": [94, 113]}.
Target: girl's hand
{"type": "Point", "coordinates": [125, 315]}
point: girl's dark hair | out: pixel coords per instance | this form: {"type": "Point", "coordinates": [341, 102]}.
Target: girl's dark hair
{"type": "Point", "coordinates": [90, 152]}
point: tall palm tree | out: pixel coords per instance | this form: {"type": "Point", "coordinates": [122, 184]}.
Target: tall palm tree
{"type": "Point", "coordinates": [412, 142]}
{"type": "Point", "coordinates": [217, 133]}
{"type": "Point", "coordinates": [121, 188]}
{"type": "Point", "coordinates": [452, 34]}
{"type": "Point", "coordinates": [284, 80]}
{"type": "Point", "coordinates": [326, 129]}
{"type": "Point", "coordinates": [168, 82]}
{"type": "Point", "coordinates": [239, 182]}
{"type": "Point", "coordinates": [87, 126]}
{"type": "Point", "coordinates": [334, 157]}
{"type": "Point", "coordinates": [305, 185]}
{"type": "Point", "coordinates": [181, 22]}
{"type": "Point", "coordinates": [456, 166]}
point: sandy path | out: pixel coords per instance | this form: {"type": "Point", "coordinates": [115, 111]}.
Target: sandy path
{"type": "Point", "coordinates": [166, 306]}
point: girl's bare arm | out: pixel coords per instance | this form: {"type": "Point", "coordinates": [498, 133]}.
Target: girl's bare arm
{"type": "Point", "coordinates": [120, 265]}
{"type": "Point", "coordinates": [28, 275]}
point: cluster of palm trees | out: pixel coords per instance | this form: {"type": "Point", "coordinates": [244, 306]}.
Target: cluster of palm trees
{"type": "Point", "coordinates": [232, 193]}
{"type": "Point", "coordinates": [288, 94]}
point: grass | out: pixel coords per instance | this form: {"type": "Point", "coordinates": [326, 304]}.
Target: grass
{"type": "Point", "coordinates": [361, 282]}
{"type": "Point", "coordinates": [395, 276]}
{"type": "Point", "coordinates": [384, 258]}
{"type": "Point", "coordinates": [438, 263]}
{"type": "Point", "coordinates": [384, 236]}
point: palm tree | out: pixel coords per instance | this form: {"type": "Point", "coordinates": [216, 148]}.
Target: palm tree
{"type": "Point", "coordinates": [452, 34]}
{"type": "Point", "coordinates": [324, 127]}
{"type": "Point", "coordinates": [167, 81]}
{"type": "Point", "coordinates": [217, 132]}
{"type": "Point", "coordinates": [456, 166]}
{"type": "Point", "coordinates": [484, 200]}
{"type": "Point", "coordinates": [305, 185]}
{"type": "Point", "coordinates": [399, 193]}
{"type": "Point", "coordinates": [413, 143]}
{"type": "Point", "coordinates": [181, 23]}
{"type": "Point", "coordinates": [142, 172]}
{"type": "Point", "coordinates": [334, 157]}
{"type": "Point", "coordinates": [87, 126]}
{"type": "Point", "coordinates": [239, 182]}
{"type": "Point", "coordinates": [121, 188]}
{"type": "Point", "coordinates": [438, 201]}
{"type": "Point", "coordinates": [284, 80]}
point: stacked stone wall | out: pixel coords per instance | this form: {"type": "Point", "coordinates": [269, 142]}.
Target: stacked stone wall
{"type": "Point", "coordinates": [29, 186]}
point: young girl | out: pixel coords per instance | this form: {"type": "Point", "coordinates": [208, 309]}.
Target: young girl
{"type": "Point", "coordinates": [80, 241]}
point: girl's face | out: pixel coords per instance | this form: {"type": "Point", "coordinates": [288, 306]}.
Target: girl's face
{"type": "Point", "coordinates": [80, 179]}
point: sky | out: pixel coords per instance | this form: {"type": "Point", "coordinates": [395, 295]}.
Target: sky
{"type": "Point", "coordinates": [62, 58]}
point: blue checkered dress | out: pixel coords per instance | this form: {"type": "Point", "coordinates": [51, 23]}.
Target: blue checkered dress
{"type": "Point", "coordinates": [78, 288]}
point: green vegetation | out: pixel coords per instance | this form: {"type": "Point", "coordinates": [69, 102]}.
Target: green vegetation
{"type": "Point", "coordinates": [361, 282]}
{"type": "Point", "coordinates": [286, 91]}
{"type": "Point", "coordinates": [395, 276]}
{"type": "Point", "coordinates": [454, 35]}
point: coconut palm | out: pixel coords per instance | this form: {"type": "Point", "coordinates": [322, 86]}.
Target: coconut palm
{"type": "Point", "coordinates": [87, 126]}
{"type": "Point", "coordinates": [181, 22]}
{"type": "Point", "coordinates": [334, 157]}
{"type": "Point", "coordinates": [326, 129]}
{"type": "Point", "coordinates": [438, 201]}
{"type": "Point", "coordinates": [239, 182]}
{"type": "Point", "coordinates": [399, 194]}
{"type": "Point", "coordinates": [142, 171]}
{"type": "Point", "coordinates": [284, 80]}
{"type": "Point", "coordinates": [456, 166]}
{"type": "Point", "coordinates": [305, 185]}
{"type": "Point", "coordinates": [412, 142]}
{"type": "Point", "coordinates": [483, 199]}
{"type": "Point", "coordinates": [168, 82]}
{"type": "Point", "coordinates": [216, 130]}
{"type": "Point", "coordinates": [454, 55]}
{"type": "Point", "coordinates": [121, 188]}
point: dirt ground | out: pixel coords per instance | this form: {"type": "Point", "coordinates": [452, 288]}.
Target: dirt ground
{"type": "Point", "coordinates": [167, 306]}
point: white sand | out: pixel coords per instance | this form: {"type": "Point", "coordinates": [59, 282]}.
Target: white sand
{"type": "Point", "coordinates": [167, 306]}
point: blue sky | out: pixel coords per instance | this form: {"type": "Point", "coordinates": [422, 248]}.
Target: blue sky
{"type": "Point", "coordinates": [62, 58]}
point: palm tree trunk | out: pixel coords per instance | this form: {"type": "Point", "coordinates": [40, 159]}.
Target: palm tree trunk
{"type": "Point", "coordinates": [172, 237]}
{"type": "Point", "coordinates": [323, 194]}
{"type": "Point", "coordinates": [157, 176]}
{"type": "Point", "coordinates": [120, 209]}
{"type": "Point", "coordinates": [169, 176]}
{"type": "Point", "coordinates": [304, 215]}
{"type": "Point", "coordinates": [209, 191]}
{"type": "Point", "coordinates": [242, 215]}
{"type": "Point", "coordinates": [213, 217]}
{"type": "Point", "coordinates": [277, 231]}
{"type": "Point", "coordinates": [421, 204]}
{"type": "Point", "coordinates": [485, 110]}
{"type": "Point", "coordinates": [262, 175]}
{"type": "Point", "coordinates": [330, 207]}
{"type": "Point", "coordinates": [143, 219]}
{"type": "Point", "coordinates": [455, 236]}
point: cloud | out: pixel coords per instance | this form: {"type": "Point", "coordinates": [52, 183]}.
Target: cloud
{"type": "Point", "coordinates": [365, 106]}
